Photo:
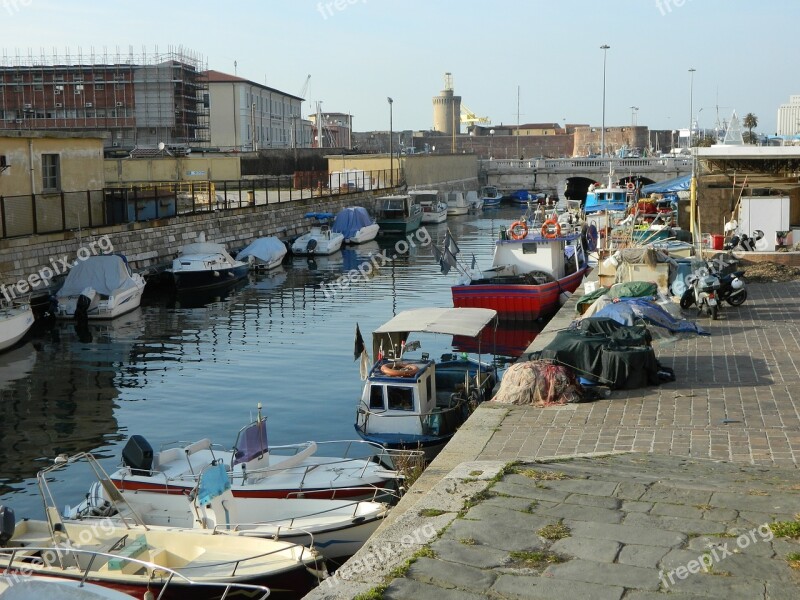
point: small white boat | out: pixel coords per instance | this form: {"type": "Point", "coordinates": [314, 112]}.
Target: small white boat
{"type": "Point", "coordinates": [99, 287]}
{"type": "Point", "coordinates": [474, 201]}
{"type": "Point", "coordinates": [321, 240]}
{"type": "Point", "coordinates": [18, 586]}
{"type": "Point", "coordinates": [263, 253]}
{"type": "Point", "coordinates": [335, 528]}
{"type": "Point", "coordinates": [204, 265]}
{"type": "Point", "coordinates": [434, 210]}
{"type": "Point", "coordinates": [457, 204]}
{"type": "Point", "coordinates": [16, 319]}
{"type": "Point", "coordinates": [348, 469]}
{"type": "Point", "coordinates": [355, 224]}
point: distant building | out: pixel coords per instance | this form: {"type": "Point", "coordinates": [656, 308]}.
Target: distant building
{"type": "Point", "coordinates": [789, 117]}
{"type": "Point", "coordinates": [337, 130]}
{"type": "Point", "coordinates": [447, 109]}
{"type": "Point", "coordinates": [139, 99]}
{"type": "Point", "coordinates": [245, 115]}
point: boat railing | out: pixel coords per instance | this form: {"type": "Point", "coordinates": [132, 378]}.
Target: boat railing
{"type": "Point", "coordinates": [377, 494]}
{"type": "Point", "coordinates": [252, 530]}
{"type": "Point", "coordinates": [36, 555]}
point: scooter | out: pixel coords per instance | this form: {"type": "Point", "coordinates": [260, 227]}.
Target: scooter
{"type": "Point", "coordinates": [744, 242]}
{"type": "Point", "coordinates": [732, 288]}
{"type": "Point", "coordinates": [702, 290]}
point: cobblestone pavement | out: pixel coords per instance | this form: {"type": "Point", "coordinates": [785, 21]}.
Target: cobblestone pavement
{"type": "Point", "coordinates": [708, 458]}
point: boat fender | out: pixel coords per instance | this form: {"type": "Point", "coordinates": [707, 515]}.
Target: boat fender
{"type": "Point", "coordinates": [551, 229]}
{"type": "Point", "coordinates": [518, 230]}
{"type": "Point", "coordinates": [630, 185]}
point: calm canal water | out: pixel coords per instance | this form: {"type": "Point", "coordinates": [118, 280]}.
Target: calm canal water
{"type": "Point", "coordinates": [183, 370]}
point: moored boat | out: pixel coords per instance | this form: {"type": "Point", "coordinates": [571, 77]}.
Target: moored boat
{"type": "Point", "coordinates": [457, 204]}
{"type": "Point", "coordinates": [398, 214]}
{"type": "Point", "coordinates": [491, 196]}
{"type": "Point", "coordinates": [355, 224]}
{"type": "Point", "coordinates": [321, 240]}
{"type": "Point", "coordinates": [16, 319]}
{"type": "Point", "coordinates": [434, 210]}
{"type": "Point", "coordinates": [417, 402]}
{"type": "Point", "coordinates": [205, 265]}
{"type": "Point", "coordinates": [99, 287]}
{"type": "Point", "coordinates": [264, 253]}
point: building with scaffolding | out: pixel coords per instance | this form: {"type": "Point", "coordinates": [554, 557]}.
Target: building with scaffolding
{"type": "Point", "coordinates": [141, 99]}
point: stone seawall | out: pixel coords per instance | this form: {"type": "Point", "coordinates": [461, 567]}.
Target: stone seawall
{"type": "Point", "coordinates": [147, 244]}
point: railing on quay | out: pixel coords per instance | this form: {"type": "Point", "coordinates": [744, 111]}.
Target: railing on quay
{"type": "Point", "coordinates": [37, 214]}
{"type": "Point", "coordinates": [665, 163]}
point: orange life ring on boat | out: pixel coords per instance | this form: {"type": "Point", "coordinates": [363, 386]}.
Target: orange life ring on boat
{"type": "Point", "coordinates": [518, 230]}
{"type": "Point", "coordinates": [399, 369]}
{"type": "Point", "coordinates": [630, 185]}
{"type": "Point", "coordinates": [551, 229]}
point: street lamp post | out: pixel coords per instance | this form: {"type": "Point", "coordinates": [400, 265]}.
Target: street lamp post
{"type": "Point", "coordinates": [391, 156]}
{"type": "Point", "coordinates": [633, 115]}
{"type": "Point", "coordinates": [604, 48]}
{"type": "Point", "coordinates": [491, 137]}
{"type": "Point", "coordinates": [691, 108]}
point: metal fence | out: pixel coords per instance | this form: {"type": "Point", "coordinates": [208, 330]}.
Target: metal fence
{"type": "Point", "coordinates": [145, 201]}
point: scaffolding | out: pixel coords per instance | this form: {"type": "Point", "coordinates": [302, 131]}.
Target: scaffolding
{"type": "Point", "coordinates": [141, 98]}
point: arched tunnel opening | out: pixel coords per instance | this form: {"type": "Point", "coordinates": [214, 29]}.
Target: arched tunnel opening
{"type": "Point", "coordinates": [576, 187]}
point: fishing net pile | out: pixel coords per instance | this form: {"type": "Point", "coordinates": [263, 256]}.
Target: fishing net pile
{"type": "Point", "coordinates": [540, 383]}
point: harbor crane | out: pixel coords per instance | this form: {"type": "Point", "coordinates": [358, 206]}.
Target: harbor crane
{"type": "Point", "coordinates": [470, 118]}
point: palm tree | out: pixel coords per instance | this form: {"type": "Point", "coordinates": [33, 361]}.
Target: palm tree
{"type": "Point", "coordinates": [751, 122]}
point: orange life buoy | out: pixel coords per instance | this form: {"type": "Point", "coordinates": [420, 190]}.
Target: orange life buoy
{"type": "Point", "coordinates": [399, 369]}
{"type": "Point", "coordinates": [551, 229]}
{"type": "Point", "coordinates": [630, 185]}
{"type": "Point", "coordinates": [518, 230]}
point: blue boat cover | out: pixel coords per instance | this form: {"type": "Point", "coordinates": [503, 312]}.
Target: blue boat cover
{"type": "Point", "coordinates": [267, 249]}
{"type": "Point", "coordinates": [678, 184]}
{"type": "Point", "coordinates": [322, 216]}
{"type": "Point", "coordinates": [350, 220]}
{"type": "Point", "coordinates": [213, 482]}
{"type": "Point", "coordinates": [628, 311]}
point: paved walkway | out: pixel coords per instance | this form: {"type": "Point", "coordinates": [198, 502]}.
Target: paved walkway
{"type": "Point", "coordinates": [706, 458]}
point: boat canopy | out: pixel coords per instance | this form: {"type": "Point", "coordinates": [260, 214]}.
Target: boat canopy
{"type": "Point", "coordinates": [350, 220]}
{"type": "Point", "coordinates": [267, 249]}
{"type": "Point", "coordinates": [205, 249]}
{"type": "Point", "coordinates": [107, 274]}
{"type": "Point", "coordinates": [677, 184]}
{"type": "Point", "coordinates": [322, 216]}
{"type": "Point", "coordinates": [468, 322]}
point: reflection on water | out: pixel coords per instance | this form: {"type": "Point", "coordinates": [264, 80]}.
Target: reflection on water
{"type": "Point", "coordinates": [192, 367]}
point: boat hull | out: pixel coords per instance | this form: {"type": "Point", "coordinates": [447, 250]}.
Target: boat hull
{"type": "Point", "coordinates": [401, 226]}
{"type": "Point", "coordinates": [517, 302]}
{"type": "Point", "coordinates": [204, 280]}
{"type": "Point", "coordinates": [122, 305]}
{"type": "Point", "coordinates": [429, 444]}
{"type": "Point", "coordinates": [365, 234]}
{"type": "Point", "coordinates": [434, 217]}
{"type": "Point", "coordinates": [15, 323]}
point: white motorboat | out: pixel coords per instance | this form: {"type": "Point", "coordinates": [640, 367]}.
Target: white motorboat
{"type": "Point", "coordinates": [355, 224]}
{"type": "Point", "coordinates": [474, 201]}
{"type": "Point", "coordinates": [99, 287]}
{"type": "Point", "coordinates": [457, 204]}
{"type": "Point", "coordinates": [25, 587]}
{"type": "Point", "coordinates": [343, 469]}
{"type": "Point", "coordinates": [419, 402]}
{"type": "Point", "coordinates": [321, 240]}
{"type": "Point", "coordinates": [16, 319]}
{"type": "Point", "coordinates": [434, 210]}
{"type": "Point", "coordinates": [335, 528]}
{"type": "Point", "coordinates": [205, 265]}
{"type": "Point", "coordinates": [263, 253]}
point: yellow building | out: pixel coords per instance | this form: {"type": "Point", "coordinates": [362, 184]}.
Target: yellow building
{"type": "Point", "coordinates": [48, 163]}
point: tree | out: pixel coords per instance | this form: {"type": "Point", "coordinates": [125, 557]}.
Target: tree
{"type": "Point", "coordinates": [751, 122]}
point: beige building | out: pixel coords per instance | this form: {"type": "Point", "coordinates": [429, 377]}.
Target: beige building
{"type": "Point", "coordinates": [47, 163]}
{"type": "Point", "coordinates": [245, 115]}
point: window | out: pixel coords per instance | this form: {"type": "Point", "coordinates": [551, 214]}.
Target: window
{"type": "Point", "coordinates": [400, 398]}
{"type": "Point", "coordinates": [99, 87]}
{"type": "Point", "coordinates": [50, 172]}
{"type": "Point", "coordinates": [376, 397]}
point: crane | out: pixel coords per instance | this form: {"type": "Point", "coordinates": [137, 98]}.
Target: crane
{"type": "Point", "coordinates": [304, 89]}
{"type": "Point", "coordinates": [470, 118]}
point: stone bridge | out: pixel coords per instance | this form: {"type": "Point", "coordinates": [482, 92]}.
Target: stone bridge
{"type": "Point", "coordinates": [571, 177]}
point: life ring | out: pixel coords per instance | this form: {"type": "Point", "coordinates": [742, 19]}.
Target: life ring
{"type": "Point", "coordinates": [399, 369]}
{"type": "Point", "coordinates": [551, 229]}
{"type": "Point", "coordinates": [518, 230]}
{"type": "Point", "coordinates": [630, 185]}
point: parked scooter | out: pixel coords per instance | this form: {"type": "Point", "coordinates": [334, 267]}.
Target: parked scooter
{"type": "Point", "coordinates": [744, 242]}
{"type": "Point", "coordinates": [732, 288]}
{"type": "Point", "coordinates": [702, 289]}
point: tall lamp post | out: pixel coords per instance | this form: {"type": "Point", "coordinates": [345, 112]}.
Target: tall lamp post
{"type": "Point", "coordinates": [604, 48]}
{"type": "Point", "coordinates": [391, 156]}
{"type": "Point", "coordinates": [691, 108]}
{"type": "Point", "coordinates": [693, 182]}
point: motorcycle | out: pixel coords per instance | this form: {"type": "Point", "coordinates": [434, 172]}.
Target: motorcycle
{"type": "Point", "coordinates": [732, 288]}
{"type": "Point", "coordinates": [744, 242]}
{"type": "Point", "coordinates": [702, 289]}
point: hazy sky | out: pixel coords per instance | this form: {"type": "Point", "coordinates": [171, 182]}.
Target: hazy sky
{"type": "Point", "coordinates": [358, 52]}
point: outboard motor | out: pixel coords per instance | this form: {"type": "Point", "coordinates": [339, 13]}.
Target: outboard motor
{"type": "Point", "coordinates": [85, 302]}
{"type": "Point", "coordinates": [7, 524]}
{"type": "Point", "coordinates": [311, 246]}
{"type": "Point", "coordinates": [138, 455]}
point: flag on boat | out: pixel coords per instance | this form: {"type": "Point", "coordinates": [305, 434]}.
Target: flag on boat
{"type": "Point", "coordinates": [474, 262]}
{"type": "Point", "coordinates": [450, 245]}
{"type": "Point", "coordinates": [360, 351]}
{"type": "Point", "coordinates": [443, 264]}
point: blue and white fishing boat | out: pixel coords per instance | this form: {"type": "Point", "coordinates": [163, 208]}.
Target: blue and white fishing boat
{"type": "Point", "coordinates": [419, 403]}
{"type": "Point", "coordinates": [491, 196]}
{"type": "Point", "coordinates": [606, 204]}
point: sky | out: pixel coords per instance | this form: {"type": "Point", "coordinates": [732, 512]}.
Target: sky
{"type": "Point", "coordinates": [526, 61]}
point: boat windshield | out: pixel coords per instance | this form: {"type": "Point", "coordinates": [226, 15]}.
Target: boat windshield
{"type": "Point", "coordinates": [400, 398]}
{"type": "Point", "coordinates": [251, 443]}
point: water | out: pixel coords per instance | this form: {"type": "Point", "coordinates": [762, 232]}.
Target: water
{"type": "Point", "coordinates": [188, 368]}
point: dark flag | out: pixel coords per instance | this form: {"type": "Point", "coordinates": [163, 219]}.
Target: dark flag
{"type": "Point", "coordinates": [450, 244]}
{"type": "Point", "coordinates": [443, 264]}
{"type": "Point", "coordinates": [359, 345]}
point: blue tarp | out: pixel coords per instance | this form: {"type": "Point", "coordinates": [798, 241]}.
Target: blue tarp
{"type": "Point", "coordinates": [678, 184]}
{"type": "Point", "coordinates": [350, 220]}
{"type": "Point", "coordinates": [322, 216]}
{"type": "Point", "coordinates": [628, 310]}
